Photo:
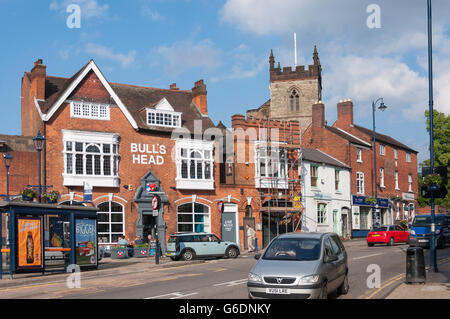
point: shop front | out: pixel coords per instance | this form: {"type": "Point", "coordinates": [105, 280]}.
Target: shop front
{"type": "Point", "coordinates": [363, 217]}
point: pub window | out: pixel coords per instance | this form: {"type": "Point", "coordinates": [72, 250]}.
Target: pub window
{"type": "Point", "coordinates": [110, 222]}
{"type": "Point", "coordinates": [163, 118]}
{"type": "Point", "coordinates": [193, 217]}
{"type": "Point", "coordinates": [195, 164]}
{"type": "Point", "coordinates": [88, 110]}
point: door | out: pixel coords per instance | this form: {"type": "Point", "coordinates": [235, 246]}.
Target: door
{"type": "Point", "coordinates": [344, 223]}
{"type": "Point", "coordinates": [336, 221]}
{"type": "Point", "coordinates": [230, 223]}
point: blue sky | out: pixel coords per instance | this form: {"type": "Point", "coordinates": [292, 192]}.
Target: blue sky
{"type": "Point", "coordinates": [227, 43]}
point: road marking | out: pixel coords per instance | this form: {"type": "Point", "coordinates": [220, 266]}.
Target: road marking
{"type": "Point", "coordinates": [389, 283]}
{"type": "Point", "coordinates": [175, 295]}
{"type": "Point", "coordinates": [373, 255]}
{"type": "Point", "coordinates": [232, 283]}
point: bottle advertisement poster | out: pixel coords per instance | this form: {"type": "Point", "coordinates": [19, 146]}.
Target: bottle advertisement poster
{"type": "Point", "coordinates": [86, 242]}
{"type": "Point", "coordinates": [29, 243]}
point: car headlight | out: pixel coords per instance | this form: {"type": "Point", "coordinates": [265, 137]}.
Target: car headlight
{"type": "Point", "coordinates": [254, 277]}
{"type": "Point", "coordinates": [311, 279]}
{"type": "Point", "coordinates": [413, 232]}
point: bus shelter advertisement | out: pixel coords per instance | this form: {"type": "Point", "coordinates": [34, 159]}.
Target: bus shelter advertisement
{"type": "Point", "coordinates": [86, 242]}
{"type": "Point", "coordinates": [29, 243]}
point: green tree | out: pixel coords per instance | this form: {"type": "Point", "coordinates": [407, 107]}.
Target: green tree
{"type": "Point", "coordinates": [441, 139]}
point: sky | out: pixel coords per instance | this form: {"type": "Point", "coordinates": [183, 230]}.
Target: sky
{"type": "Point", "coordinates": [368, 49]}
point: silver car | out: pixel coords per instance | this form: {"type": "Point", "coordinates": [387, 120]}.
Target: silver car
{"type": "Point", "coordinates": [300, 265]}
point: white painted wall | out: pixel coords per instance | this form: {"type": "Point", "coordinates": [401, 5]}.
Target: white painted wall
{"type": "Point", "coordinates": [334, 200]}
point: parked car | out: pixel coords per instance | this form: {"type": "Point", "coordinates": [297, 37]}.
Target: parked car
{"type": "Point", "coordinates": [388, 235]}
{"type": "Point", "coordinates": [421, 230]}
{"type": "Point", "coordinates": [188, 246]}
{"type": "Point", "coordinates": [300, 265]}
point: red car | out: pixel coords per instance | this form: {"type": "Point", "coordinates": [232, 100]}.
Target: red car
{"type": "Point", "coordinates": [388, 235]}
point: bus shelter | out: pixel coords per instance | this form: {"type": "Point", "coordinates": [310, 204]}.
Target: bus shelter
{"type": "Point", "coordinates": [33, 234]}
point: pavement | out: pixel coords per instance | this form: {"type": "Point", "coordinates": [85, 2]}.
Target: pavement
{"type": "Point", "coordinates": [437, 285]}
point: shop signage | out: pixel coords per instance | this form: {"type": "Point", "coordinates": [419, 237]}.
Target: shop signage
{"type": "Point", "coordinates": [322, 196]}
{"type": "Point", "coordinates": [150, 187]}
{"type": "Point", "coordinates": [362, 201]}
{"type": "Point", "coordinates": [408, 196]}
{"type": "Point", "coordinates": [86, 242]}
{"type": "Point", "coordinates": [148, 154]}
{"type": "Point", "coordinates": [29, 243]}
{"type": "Point", "coordinates": [87, 192]}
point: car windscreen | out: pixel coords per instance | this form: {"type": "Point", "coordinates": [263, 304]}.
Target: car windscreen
{"type": "Point", "coordinates": [425, 221]}
{"type": "Point", "coordinates": [382, 228]}
{"type": "Point", "coordinates": [293, 249]}
{"type": "Point", "coordinates": [172, 239]}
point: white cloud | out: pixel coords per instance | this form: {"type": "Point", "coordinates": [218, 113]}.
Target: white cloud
{"type": "Point", "coordinates": [124, 60]}
{"type": "Point", "coordinates": [154, 15]}
{"type": "Point", "coordinates": [184, 55]}
{"type": "Point", "coordinates": [89, 8]}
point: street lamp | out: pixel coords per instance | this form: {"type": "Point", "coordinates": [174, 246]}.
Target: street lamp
{"type": "Point", "coordinates": [39, 142]}
{"type": "Point", "coordinates": [382, 107]}
{"type": "Point", "coordinates": [7, 158]}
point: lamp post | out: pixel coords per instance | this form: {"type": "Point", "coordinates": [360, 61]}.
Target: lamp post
{"type": "Point", "coordinates": [7, 158]}
{"type": "Point", "coordinates": [39, 142]}
{"type": "Point", "coordinates": [382, 107]}
{"type": "Point", "coordinates": [433, 264]}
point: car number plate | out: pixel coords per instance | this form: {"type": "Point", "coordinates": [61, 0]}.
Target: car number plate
{"type": "Point", "coordinates": [375, 235]}
{"type": "Point", "coordinates": [169, 254]}
{"type": "Point", "coordinates": [423, 241]}
{"type": "Point", "coordinates": [278, 291]}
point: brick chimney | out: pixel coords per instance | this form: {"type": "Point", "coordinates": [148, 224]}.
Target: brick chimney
{"type": "Point", "coordinates": [173, 86]}
{"type": "Point", "coordinates": [318, 115]}
{"type": "Point", "coordinates": [38, 74]}
{"type": "Point", "coordinates": [199, 96]}
{"type": "Point", "coordinates": [344, 114]}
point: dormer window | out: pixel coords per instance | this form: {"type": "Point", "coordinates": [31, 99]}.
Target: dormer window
{"type": "Point", "coordinates": [89, 110]}
{"type": "Point", "coordinates": [294, 101]}
{"type": "Point", "coordinates": [163, 115]}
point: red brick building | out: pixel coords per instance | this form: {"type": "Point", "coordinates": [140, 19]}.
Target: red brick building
{"type": "Point", "coordinates": [353, 144]}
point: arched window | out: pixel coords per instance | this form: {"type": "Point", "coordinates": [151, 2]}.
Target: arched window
{"type": "Point", "coordinates": [110, 222]}
{"type": "Point", "coordinates": [294, 100]}
{"type": "Point", "coordinates": [193, 217]}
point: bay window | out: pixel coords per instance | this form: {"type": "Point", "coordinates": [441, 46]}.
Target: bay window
{"type": "Point", "coordinates": [271, 166]}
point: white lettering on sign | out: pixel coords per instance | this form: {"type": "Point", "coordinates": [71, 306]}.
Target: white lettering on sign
{"type": "Point", "coordinates": [148, 154]}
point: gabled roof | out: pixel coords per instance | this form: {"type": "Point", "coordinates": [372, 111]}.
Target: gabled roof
{"type": "Point", "coordinates": [131, 100]}
{"type": "Point", "coordinates": [349, 137]}
{"type": "Point", "coordinates": [384, 138]}
{"type": "Point", "coordinates": [317, 156]}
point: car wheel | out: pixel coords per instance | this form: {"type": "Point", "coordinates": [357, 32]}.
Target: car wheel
{"type": "Point", "coordinates": [324, 291]}
{"type": "Point", "coordinates": [232, 252]}
{"type": "Point", "coordinates": [188, 255]}
{"type": "Point", "coordinates": [344, 288]}
{"type": "Point", "coordinates": [370, 244]}
{"type": "Point", "coordinates": [391, 241]}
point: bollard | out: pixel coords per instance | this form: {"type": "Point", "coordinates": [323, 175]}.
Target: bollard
{"type": "Point", "coordinates": [256, 244]}
{"type": "Point", "coordinates": [415, 265]}
{"type": "Point", "coordinates": [157, 252]}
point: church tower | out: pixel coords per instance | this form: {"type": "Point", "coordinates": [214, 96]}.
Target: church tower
{"type": "Point", "coordinates": [294, 92]}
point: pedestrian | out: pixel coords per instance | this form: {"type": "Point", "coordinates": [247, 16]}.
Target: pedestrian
{"type": "Point", "coordinates": [138, 241]}
{"type": "Point", "coordinates": [251, 235]}
{"type": "Point", "coordinates": [149, 237]}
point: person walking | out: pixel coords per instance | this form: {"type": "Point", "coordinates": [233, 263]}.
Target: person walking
{"type": "Point", "coordinates": [251, 235]}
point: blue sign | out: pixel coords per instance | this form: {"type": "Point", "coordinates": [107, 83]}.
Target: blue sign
{"type": "Point", "coordinates": [87, 192]}
{"type": "Point", "coordinates": [86, 241]}
{"type": "Point", "coordinates": [362, 201]}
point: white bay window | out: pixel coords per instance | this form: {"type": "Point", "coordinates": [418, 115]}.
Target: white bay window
{"type": "Point", "coordinates": [271, 166]}
{"type": "Point", "coordinates": [90, 157]}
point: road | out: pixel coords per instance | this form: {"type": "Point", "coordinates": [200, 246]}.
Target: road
{"type": "Point", "coordinates": [224, 279]}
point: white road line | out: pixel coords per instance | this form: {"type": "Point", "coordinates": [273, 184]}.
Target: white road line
{"type": "Point", "coordinates": [373, 255]}
{"type": "Point", "coordinates": [232, 283]}
{"type": "Point", "coordinates": [175, 295]}
{"type": "Point", "coordinates": [182, 296]}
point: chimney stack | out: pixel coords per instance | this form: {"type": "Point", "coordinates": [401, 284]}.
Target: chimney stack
{"type": "Point", "coordinates": [199, 96]}
{"type": "Point", "coordinates": [344, 114]}
{"type": "Point", "coordinates": [173, 86]}
{"type": "Point", "coordinates": [38, 74]}
{"type": "Point", "coordinates": [318, 115]}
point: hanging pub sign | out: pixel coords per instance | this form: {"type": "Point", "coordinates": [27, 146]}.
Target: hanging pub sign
{"type": "Point", "coordinates": [86, 242]}
{"type": "Point", "coordinates": [156, 201]}
{"type": "Point", "coordinates": [87, 192]}
{"type": "Point", "coordinates": [220, 206]}
{"type": "Point", "coordinates": [29, 244]}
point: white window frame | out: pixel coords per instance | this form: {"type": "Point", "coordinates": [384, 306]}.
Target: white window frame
{"type": "Point", "coordinates": [382, 177]}
{"type": "Point", "coordinates": [395, 153]}
{"type": "Point", "coordinates": [206, 225]}
{"type": "Point", "coordinates": [275, 168]}
{"type": "Point", "coordinates": [382, 149]}
{"type": "Point", "coordinates": [408, 157]}
{"type": "Point", "coordinates": [110, 223]}
{"type": "Point", "coordinates": [360, 183]}
{"type": "Point", "coordinates": [396, 180]}
{"type": "Point", "coordinates": [206, 151]}
{"type": "Point", "coordinates": [88, 139]}
{"type": "Point", "coordinates": [162, 115]}
{"type": "Point", "coordinates": [337, 173]}
{"type": "Point", "coordinates": [90, 110]}
{"type": "Point", "coordinates": [410, 182]}
{"type": "Point", "coordinates": [322, 214]}
{"type": "Point", "coordinates": [359, 155]}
